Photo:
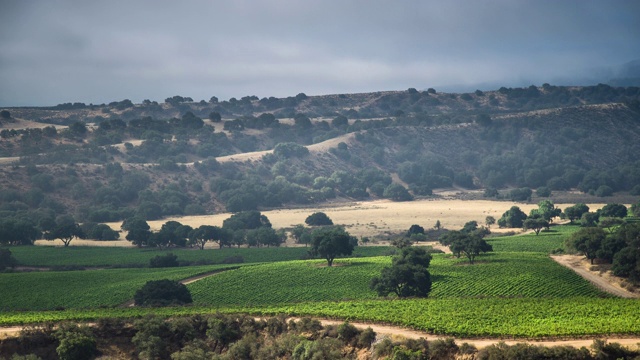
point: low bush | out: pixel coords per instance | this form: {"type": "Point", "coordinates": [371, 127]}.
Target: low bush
{"type": "Point", "coordinates": [163, 293]}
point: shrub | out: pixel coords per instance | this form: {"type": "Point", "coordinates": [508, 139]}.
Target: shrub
{"type": "Point", "coordinates": [6, 259]}
{"type": "Point", "coordinates": [604, 190]}
{"type": "Point", "coordinates": [318, 219]}
{"type": "Point", "coordinates": [543, 191]}
{"type": "Point", "coordinates": [75, 343]}
{"type": "Point", "coordinates": [233, 260]}
{"type": "Point", "coordinates": [163, 261]}
{"type": "Point", "coordinates": [522, 194]}
{"type": "Point", "coordinates": [162, 293]}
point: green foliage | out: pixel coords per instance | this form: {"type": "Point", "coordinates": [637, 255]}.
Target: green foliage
{"type": "Point", "coordinates": [66, 228]}
{"type": "Point", "coordinates": [330, 242]}
{"type": "Point", "coordinates": [76, 343]}
{"type": "Point", "coordinates": [6, 259]}
{"type": "Point", "coordinates": [613, 210]}
{"type": "Point", "coordinates": [49, 290]}
{"type": "Point", "coordinates": [547, 210]}
{"type": "Point", "coordinates": [635, 209]}
{"type": "Point", "coordinates": [397, 192]}
{"type": "Point", "coordinates": [521, 194]}
{"type": "Point", "coordinates": [246, 220]}
{"type": "Point", "coordinates": [575, 212]}
{"type": "Point", "coordinates": [17, 232]}
{"type": "Point", "coordinates": [290, 150]}
{"type": "Point", "coordinates": [407, 276]}
{"type": "Point", "coordinates": [589, 219]}
{"type": "Point", "coordinates": [504, 275]}
{"type": "Point", "coordinates": [469, 243]}
{"type": "Point", "coordinates": [150, 338]}
{"type": "Point", "coordinates": [543, 191]}
{"type": "Point", "coordinates": [164, 261]}
{"type": "Point", "coordinates": [318, 219]}
{"type": "Point", "coordinates": [137, 231]}
{"type": "Point", "coordinates": [139, 257]}
{"type": "Point", "coordinates": [205, 233]}
{"type": "Point", "coordinates": [512, 218]}
{"type": "Point", "coordinates": [101, 232]}
{"type": "Point", "coordinates": [546, 242]}
{"type": "Point", "coordinates": [415, 229]}
{"type": "Point", "coordinates": [604, 190]}
{"type": "Point", "coordinates": [529, 351]}
{"type": "Point", "coordinates": [162, 293]}
{"type": "Point", "coordinates": [536, 224]}
{"type": "Point", "coordinates": [587, 241]}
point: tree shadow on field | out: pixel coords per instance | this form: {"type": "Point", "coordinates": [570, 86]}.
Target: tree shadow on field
{"type": "Point", "coordinates": [439, 278]}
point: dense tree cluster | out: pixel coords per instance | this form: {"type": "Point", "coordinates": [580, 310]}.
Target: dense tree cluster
{"type": "Point", "coordinates": [619, 245]}
{"type": "Point", "coordinates": [468, 242]}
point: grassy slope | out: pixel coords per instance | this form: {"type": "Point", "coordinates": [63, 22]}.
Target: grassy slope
{"type": "Point", "coordinates": [82, 289]}
{"type": "Point", "coordinates": [545, 242]}
{"type": "Point", "coordinates": [504, 275]}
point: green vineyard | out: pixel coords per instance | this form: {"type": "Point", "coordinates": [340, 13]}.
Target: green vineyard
{"type": "Point", "coordinates": [48, 290]}
{"type": "Point", "coordinates": [516, 291]}
{"type": "Point", "coordinates": [467, 318]}
{"type": "Point", "coordinates": [505, 275]}
{"type": "Point", "coordinates": [46, 256]}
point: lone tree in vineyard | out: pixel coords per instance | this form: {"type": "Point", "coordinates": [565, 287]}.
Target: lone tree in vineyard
{"type": "Point", "coordinates": [407, 276]}
{"type": "Point", "coordinates": [329, 242]}
{"type": "Point", "coordinates": [471, 244]}
{"type": "Point", "coordinates": [536, 224]}
{"type": "Point", "coordinates": [162, 293]}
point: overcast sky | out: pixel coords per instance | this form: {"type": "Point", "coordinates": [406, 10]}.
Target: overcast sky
{"type": "Point", "coordinates": [105, 50]}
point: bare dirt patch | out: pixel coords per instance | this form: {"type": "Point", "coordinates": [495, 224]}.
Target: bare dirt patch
{"type": "Point", "coordinates": [603, 280]}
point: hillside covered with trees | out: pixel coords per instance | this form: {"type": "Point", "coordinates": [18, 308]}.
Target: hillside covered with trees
{"type": "Point", "coordinates": [109, 162]}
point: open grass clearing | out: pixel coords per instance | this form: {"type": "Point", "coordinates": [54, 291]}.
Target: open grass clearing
{"type": "Point", "coordinates": [380, 217]}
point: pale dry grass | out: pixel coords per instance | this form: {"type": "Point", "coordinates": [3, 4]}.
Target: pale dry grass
{"type": "Point", "coordinates": [380, 217]}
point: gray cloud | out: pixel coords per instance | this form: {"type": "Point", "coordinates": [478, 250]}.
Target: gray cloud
{"type": "Point", "coordinates": [65, 51]}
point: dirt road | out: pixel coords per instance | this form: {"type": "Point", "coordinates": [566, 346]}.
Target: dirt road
{"type": "Point", "coordinates": [398, 332]}
{"type": "Point", "coordinates": [387, 330]}
{"type": "Point", "coordinates": [575, 263]}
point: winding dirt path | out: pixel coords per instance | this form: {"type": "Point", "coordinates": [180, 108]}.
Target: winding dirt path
{"type": "Point", "coordinates": [387, 330]}
{"type": "Point", "coordinates": [399, 332]}
{"type": "Point", "coordinates": [575, 263]}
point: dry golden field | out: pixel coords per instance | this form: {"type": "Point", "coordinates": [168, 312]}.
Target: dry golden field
{"type": "Point", "coordinates": [378, 218]}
